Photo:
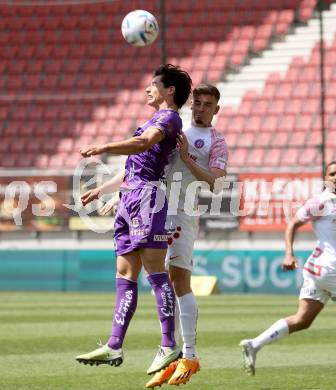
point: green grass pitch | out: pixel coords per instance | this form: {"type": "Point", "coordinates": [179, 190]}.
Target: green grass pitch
{"type": "Point", "coordinates": [41, 333]}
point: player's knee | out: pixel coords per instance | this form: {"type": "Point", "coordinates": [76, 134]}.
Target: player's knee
{"type": "Point", "coordinates": [181, 287]}
{"type": "Point", "coordinates": [127, 274]}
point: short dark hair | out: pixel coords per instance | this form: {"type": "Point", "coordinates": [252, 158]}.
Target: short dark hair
{"type": "Point", "coordinates": [206, 89]}
{"type": "Point", "coordinates": [172, 75]}
{"type": "Point", "coordinates": [329, 165]}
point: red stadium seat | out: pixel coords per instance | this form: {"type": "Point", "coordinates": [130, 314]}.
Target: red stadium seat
{"type": "Point", "coordinates": [293, 107]}
{"type": "Point", "coordinates": [305, 13]}
{"type": "Point", "coordinates": [9, 160]}
{"type": "Point", "coordinates": [50, 81]}
{"type": "Point", "coordinates": [14, 82]}
{"type": "Point", "coordinates": [68, 81]}
{"type": "Point", "coordinates": [255, 158]}
{"type": "Point", "coordinates": [309, 156]}
{"type": "Point", "coordinates": [5, 144]}
{"type": "Point", "coordinates": [41, 160]}
{"type": "Point", "coordinates": [238, 158]}
{"type": "Point", "coordinates": [84, 80]}
{"type": "Point", "coordinates": [331, 138]}
{"type": "Point", "coordinates": [245, 139]}
{"type": "Point", "coordinates": [284, 91]}
{"type": "Point", "coordinates": [237, 124]}
{"type": "Point", "coordinates": [276, 107]}
{"type": "Point", "coordinates": [263, 140]}
{"type": "Point", "coordinates": [230, 138]}
{"type": "Point", "coordinates": [253, 123]}
{"type": "Point", "coordinates": [260, 108]}
{"type": "Point", "coordinates": [280, 138]}
{"type": "Point", "coordinates": [4, 111]}
{"type": "Point", "coordinates": [310, 106]}
{"type": "Point", "coordinates": [300, 91]}
{"type": "Point", "coordinates": [27, 129]}
{"type": "Point", "coordinates": [72, 66]}
{"type": "Point", "coordinates": [25, 160]}
{"type": "Point", "coordinates": [18, 144]}
{"type": "Point", "coordinates": [286, 123]}
{"type": "Point", "coordinates": [289, 157]}
{"type": "Point", "coordinates": [57, 160]}
{"type": "Point", "coordinates": [246, 108]}
{"type": "Point", "coordinates": [36, 113]}
{"type": "Point", "coordinates": [272, 157]}
{"type": "Point", "coordinates": [65, 145]}
{"type": "Point", "coordinates": [297, 138]}
{"type": "Point", "coordinates": [34, 66]}
{"type": "Point", "coordinates": [314, 138]}
{"type": "Point", "coordinates": [53, 66]}
{"type": "Point", "coordinates": [269, 123]}
{"type": "Point", "coordinates": [91, 66]}
{"type": "Point", "coordinates": [90, 129]}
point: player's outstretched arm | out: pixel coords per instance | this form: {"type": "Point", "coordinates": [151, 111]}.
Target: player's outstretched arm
{"type": "Point", "coordinates": [290, 262]}
{"type": "Point", "coordinates": [90, 196]}
{"type": "Point", "coordinates": [134, 145]}
{"type": "Point", "coordinates": [107, 188]}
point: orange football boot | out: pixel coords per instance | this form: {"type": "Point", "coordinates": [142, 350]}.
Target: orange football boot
{"type": "Point", "coordinates": [184, 370]}
{"type": "Point", "coordinates": [162, 376]}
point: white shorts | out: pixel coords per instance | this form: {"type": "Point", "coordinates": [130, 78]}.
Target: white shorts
{"type": "Point", "coordinates": [182, 230]}
{"type": "Point", "coordinates": [319, 279]}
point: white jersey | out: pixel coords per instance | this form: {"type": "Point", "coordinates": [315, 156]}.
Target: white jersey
{"type": "Point", "coordinates": [321, 211]}
{"type": "Point", "coordinates": [209, 150]}
{"type": "Point", "coordinates": [319, 271]}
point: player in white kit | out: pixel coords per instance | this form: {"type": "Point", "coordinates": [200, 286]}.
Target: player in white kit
{"type": "Point", "coordinates": [203, 157]}
{"type": "Point", "coordinates": [319, 271]}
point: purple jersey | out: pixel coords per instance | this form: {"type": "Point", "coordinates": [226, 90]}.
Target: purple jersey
{"type": "Point", "coordinates": [149, 166]}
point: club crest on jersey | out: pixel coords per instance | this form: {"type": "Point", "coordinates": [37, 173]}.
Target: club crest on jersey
{"type": "Point", "coordinates": [135, 223]}
{"type": "Point", "coordinates": [199, 143]}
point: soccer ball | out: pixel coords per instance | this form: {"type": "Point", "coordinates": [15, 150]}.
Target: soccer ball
{"type": "Point", "coordinates": [139, 28]}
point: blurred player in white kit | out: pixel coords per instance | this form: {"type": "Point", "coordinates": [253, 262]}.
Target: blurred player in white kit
{"type": "Point", "coordinates": [319, 271]}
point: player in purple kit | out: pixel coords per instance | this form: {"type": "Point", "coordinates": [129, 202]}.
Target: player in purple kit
{"type": "Point", "coordinates": [140, 236]}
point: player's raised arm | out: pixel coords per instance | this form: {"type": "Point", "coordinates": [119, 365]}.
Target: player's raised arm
{"type": "Point", "coordinates": [134, 145]}
{"type": "Point", "coordinates": [210, 176]}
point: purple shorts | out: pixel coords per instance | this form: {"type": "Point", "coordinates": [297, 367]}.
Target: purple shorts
{"type": "Point", "coordinates": [140, 220]}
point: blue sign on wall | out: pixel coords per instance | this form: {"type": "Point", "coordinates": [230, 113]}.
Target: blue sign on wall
{"type": "Point", "coordinates": [238, 271]}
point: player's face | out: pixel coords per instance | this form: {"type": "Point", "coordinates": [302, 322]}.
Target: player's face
{"type": "Point", "coordinates": [156, 92]}
{"type": "Point", "coordinates": [330, 177]}
{"type": "Point", "coordinates": [203, 107]}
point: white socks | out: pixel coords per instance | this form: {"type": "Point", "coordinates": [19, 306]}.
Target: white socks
{"type": "Point", "coordinates": [177, 324]}
{"type": "Point", "coordinates": [188, 320]}
{"type": "Point", "coordinates": [275, 332]}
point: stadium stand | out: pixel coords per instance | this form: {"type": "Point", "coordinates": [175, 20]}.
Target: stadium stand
{"type": "Point", "coordinates": [68, 78]}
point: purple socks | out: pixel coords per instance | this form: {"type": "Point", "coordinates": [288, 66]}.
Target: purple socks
{"type": "Point", "coordinates": [165, 301]}
{"type": "Point", "coordinates": [126, 303]}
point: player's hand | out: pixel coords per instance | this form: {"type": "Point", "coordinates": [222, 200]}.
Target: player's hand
{"type": "Point", "coordinates": [183, 146]}
{"type": "Point", "coordinates": [90, 196]}
{"type": "Point", "coordinates": [289, 263]}
{"type": "Point", "coordinates": [110, 206]}
{"type": "Point", "coordinates": [92, 150]}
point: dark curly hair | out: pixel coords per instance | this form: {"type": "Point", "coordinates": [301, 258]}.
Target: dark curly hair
{"type": "Point", "coordinates": [172, 75]}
